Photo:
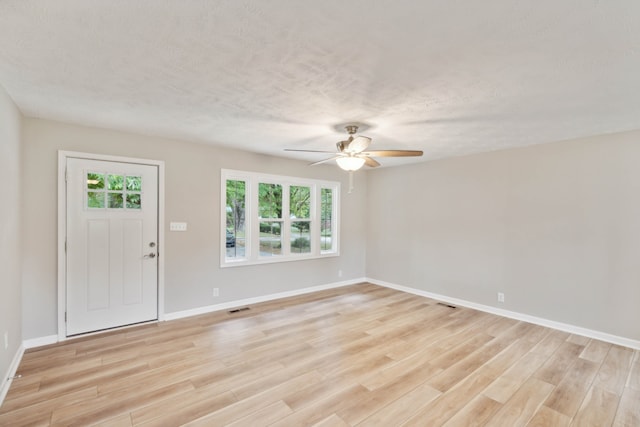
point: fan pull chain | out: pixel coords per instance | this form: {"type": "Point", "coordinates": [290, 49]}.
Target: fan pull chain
{"type": "Point", "coordinates": [350, 182]}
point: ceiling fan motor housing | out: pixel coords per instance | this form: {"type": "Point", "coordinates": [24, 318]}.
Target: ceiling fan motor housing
{"type": "Point", "coordinates": [351, 129]}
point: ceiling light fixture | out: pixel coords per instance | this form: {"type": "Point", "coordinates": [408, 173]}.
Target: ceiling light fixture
{"type": "Point", "coordinates": [350, 163]}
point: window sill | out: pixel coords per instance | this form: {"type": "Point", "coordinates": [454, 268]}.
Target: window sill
{"type": "Point", "coordinates": [276, 259]}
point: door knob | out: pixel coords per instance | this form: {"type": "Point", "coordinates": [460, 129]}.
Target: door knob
{"type": "Point", "coordinates": [151, 255]}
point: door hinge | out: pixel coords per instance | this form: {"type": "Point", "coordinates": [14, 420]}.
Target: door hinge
{"type": "Point", "coordinates": [65, 246]}
{"type": "Point", "coordinates": [65, 316]}
{"type": "Point", "coordinates": [66, 175]}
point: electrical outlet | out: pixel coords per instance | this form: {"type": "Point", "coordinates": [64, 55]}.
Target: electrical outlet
{"type": "Point", "coordinates": [216, 292]}
{"type": "Point", "coordinates": [6, 340]}
{"type": "Point", "coordinates": [500, 297]}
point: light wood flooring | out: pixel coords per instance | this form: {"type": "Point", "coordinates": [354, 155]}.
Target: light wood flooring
{"type": "Point", "coordinates": [359, 355]}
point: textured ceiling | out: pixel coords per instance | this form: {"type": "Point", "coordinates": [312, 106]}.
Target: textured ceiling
{"type": "Point", "coordinates": [449, 77]}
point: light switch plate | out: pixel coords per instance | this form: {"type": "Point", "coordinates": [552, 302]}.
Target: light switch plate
{"type": "Point", "coordinates": [177, 226]}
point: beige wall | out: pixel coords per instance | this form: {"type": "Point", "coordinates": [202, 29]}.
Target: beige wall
{"type": "Point", "coordinates": [10, 259]}
{"type": "Point", "coordinates": [556, 227]}
{"type": "Point", "coordinates": [193, 196]}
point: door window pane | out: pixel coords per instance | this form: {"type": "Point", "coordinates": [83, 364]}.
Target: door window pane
{"type": "Point", "coordinates": [115, 200]}
{"type": "Point", "coordinates": [95, 193]}
{"type": "Point", "coordinates": [134, 184]}
{"type": "Point", "coordinates": [134, 201]}
{"type": "Point", "coordinates": [95, 181]}
{"type": "Point", "coordinates": [95, 200]}
{"type": "Point", "coordinates": [115, 182]}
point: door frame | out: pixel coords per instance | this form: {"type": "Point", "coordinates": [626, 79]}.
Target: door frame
{"type": "Point", "coordinates": [62, 229]}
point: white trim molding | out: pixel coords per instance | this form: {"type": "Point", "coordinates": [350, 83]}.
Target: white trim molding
{"type": "Point", "coordinates": [7, 379]}
{"type": "Point", "coordinates": [256, 300]}
{"type": "Point", "coordinates": [40, 341]}
{"type": "Point", "coordinates": [53, 339]}
{"type": "Point", "coordinates": [589, 333]}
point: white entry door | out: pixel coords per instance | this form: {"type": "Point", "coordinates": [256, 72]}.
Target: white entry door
{"type": "Point", "coordinates": [112, 244]}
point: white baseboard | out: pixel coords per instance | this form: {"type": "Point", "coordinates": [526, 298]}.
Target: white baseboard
{"type": "Point", "coordinates": [40, 341]}
{"type": "Point", "coordinates": [589, 333]}
{"type": "Point", "coordinates": [256, 300]}
{"type": "Point", "coordinates": [52, 339]}
{"type": "Point", "coordinates": [13, 368]}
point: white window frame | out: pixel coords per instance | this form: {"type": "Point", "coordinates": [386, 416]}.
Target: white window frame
{"type": "Point", "coordinates": [252, 222]}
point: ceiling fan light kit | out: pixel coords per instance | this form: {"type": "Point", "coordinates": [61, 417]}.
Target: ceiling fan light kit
{"type": "Point", "coordinates": [350, 163]}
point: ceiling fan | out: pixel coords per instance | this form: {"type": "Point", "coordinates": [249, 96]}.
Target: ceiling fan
{"type": "Point", "coordinates": [352, 154]}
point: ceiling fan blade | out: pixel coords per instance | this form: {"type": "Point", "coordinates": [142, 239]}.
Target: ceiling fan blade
{"type": "Point", "coordinates": [324, 161]}
{"type": "Point", "coordinates": [309, 151]}
{"type": "Point", "coordinates": [393, 153]}
{"type": "Point", "coordinates": [371, 162]}
{"type": "Point", "coordinates": [358, 144]}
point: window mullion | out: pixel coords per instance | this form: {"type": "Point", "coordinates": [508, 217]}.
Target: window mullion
{"type": "Point", "coordinates": [335, 216]}
{"type": "Point", "coordinates": [254, 246]}
{"type": "Point", "coordinates": [286, 220]}
{"type": "Point", "coordinates": [314, 215]}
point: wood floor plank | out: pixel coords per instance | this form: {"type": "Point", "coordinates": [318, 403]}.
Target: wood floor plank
{"type": "Point", "coordinates": [598, 408]}
{"type": "Point", "coordinates": [524, 403]}
{"type": "Point", "coordinates": [595, 351]}
{"type": "Point", "coordinates": [402, 408]}
{"type": "Point", "coordinates": [265, 416]}
{"type": "Point", "coordinates": [449, 358]}
{"type": "Point", "coordinates": [508, 384]}
{"type": "Point", "coordinates": [393, 390]}
{"type": "Point", "coordinates": [546, 417]}
{"type": "Point", "coordinates": [384, 376]}
{"type": "Point", "coordinates": [634, 375]}
{"type": "Point", "coordinates": [306, 396]}
{"type": "Point", "coordinates": [502, 324]}
{"type": "Point", "coordinates": [628, 413]}
{"type": "Point", "coordinates": [555, 368]}
{"type": "Point", "coordinates": [571, 391]}
{"type": "Point", "coordinates": [256, 402]}
{"type": "Point", "coordinates": [104, 407]}
{"type": "Point", "coordinates": [184, 408]}
{"type": "Point", "coordinates": [321, 409]}
{"type": "Point", "coordinates": [440, 410]}
{"type": "Point", "coordinates": [614, 372]}
{"type": "Point", "coordinates": [355, 355]}
{"type": "Point", "coordinates": [39, 412]}
{"type": "Point", "coordinates": [332, 420]}
{"type": "Point", "coordinates": [578, 339]}
{"type": "Point", "coordinates": [474, 413]}
{"type": "Point", "coordinates": [463, 368]}
{"type": "Point", "coordinates": [551, 342]}
{"type": "Point", "coordinates": [121, 421]}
